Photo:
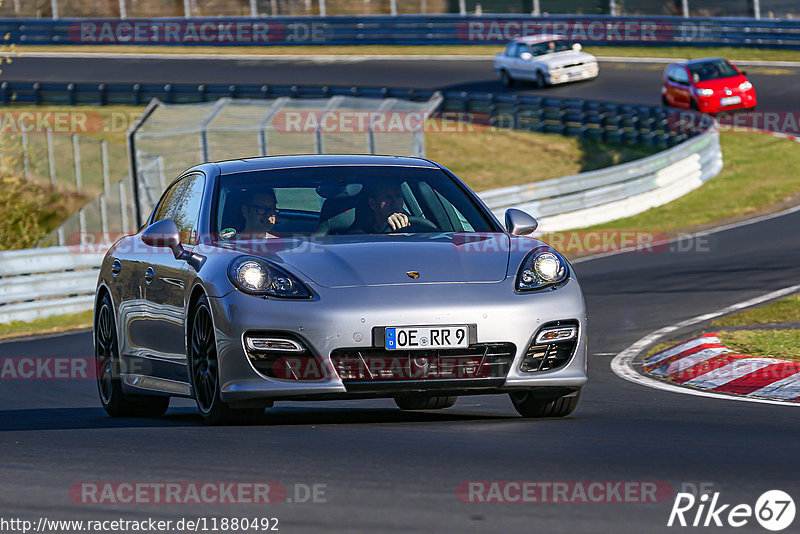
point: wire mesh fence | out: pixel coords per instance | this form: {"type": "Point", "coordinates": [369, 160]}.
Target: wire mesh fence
{"type": "Point", "coordinates": [258, 8]}
{"type": "Point", "coordinates": [175, 137]}
{"type": "Point", "coordinates": [66, 161]}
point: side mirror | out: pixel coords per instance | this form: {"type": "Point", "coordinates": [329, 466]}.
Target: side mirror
{"type": "Point", "coordinates": [164, 233]}
{"type": "Point", "coordinates": [520, 223]}
{"type": "Point", "coordinates": [526, 56]}
{"type": "Point", "coordinates": [744, 72]}
{"type": "Point", "coordinates": [577, 47]}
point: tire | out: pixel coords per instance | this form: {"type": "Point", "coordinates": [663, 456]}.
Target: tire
{"type": "Point", "coordinates": [422, 402]}
{"type": "Point", "coordinates": [528, 405]}
{"type": "Point", "coordinates": [541, 82]}
{"type": "Point", "coordinates": [204, 372]}
{"type": "Point", "coordinates": [506, 78]}
{"type": "Point", "coordinates": [664, 101]}
{"type": "Point", "coordinates": [109, 383]}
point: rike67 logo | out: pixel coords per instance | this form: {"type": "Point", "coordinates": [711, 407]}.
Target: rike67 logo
{"type": "Point", "coordinates": [774, 510]}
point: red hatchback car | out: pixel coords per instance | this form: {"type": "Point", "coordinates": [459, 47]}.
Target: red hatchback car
{"type": "Point", "coordinates": [709, 85]}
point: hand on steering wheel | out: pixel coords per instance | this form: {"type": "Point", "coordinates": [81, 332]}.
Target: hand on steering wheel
{"type": "Point", "coordinates": [412, 224]}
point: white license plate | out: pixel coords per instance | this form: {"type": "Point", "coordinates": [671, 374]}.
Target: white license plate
{"type": "Point", "coordinates": [730, 100]}
{"type": "Point", "coordinates": [426, 337]}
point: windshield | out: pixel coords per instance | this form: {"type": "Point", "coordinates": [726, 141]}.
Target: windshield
{"type": "Point", "coordinates": [550, 47]}
{"type": "Point", "coordinates": [344, 200]}
{"type": "Point", "coordinates": [712, 70]}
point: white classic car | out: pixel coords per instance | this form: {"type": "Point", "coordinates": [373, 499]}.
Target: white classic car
{"type": "Point", "coordinates": [544, 59]}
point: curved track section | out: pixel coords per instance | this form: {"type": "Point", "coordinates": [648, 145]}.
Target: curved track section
{"type": "Point", "coordinates": [635, 83]}
{"type": "Point", "coordinates": [389, 471]}
{"type": "Point", "coordinates": [385, 470]}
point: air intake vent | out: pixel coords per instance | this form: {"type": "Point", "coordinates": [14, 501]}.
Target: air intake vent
{"type": "Point", "coordinates": [549, 356]}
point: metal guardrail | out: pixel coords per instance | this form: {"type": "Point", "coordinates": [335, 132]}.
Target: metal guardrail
{"type": "Point", "coordinates": [36, 283]}
{"type": "Point", "coordinates": [596, 197]}
{"type": "Point", "coordinates": [407, 30]}
{"type": "Point", "coordinates": [40, 282]}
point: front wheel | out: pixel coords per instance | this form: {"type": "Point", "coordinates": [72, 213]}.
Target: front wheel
{"type": "Point", "coordinates": [506, 78]}
{"type": "Point", "coordinates": [541, 82]}
{"type": "Point", "coordinates": [204, 372]}
{"type": "Point", "coordinates": [109, 383]}
{"type": "Point", "coordinates": [528, 405]}
{"type": "Point", "coordinates": [421, 402]}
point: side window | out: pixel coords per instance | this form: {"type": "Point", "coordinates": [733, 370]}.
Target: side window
{"type": "Point", "coordinates": [169, 200]}
{"type": "Point", "coordinates": [511, 49]}
{"type": "Point", "coordinates": [188, 209]}
{"type": "Point", "coordinates": [522, 48]}
{"type": "Point", "coordinates": [678, 75]}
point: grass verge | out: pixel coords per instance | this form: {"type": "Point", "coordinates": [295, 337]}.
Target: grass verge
{"type": "Point", "coordinates": [733, 53]}
{"type": "Point", "coordinates": [497, 158]}
{"type": "Point", "coordinates": [784, 344]}
{"type": "Point", "coordinates": [49, 325]}
{"type": "Point", "coordinates": [761, 174]}
{"type": "Point", "coordinates": [783, 310]}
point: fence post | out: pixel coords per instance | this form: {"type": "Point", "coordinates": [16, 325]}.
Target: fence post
{"type": "Point", "coordinates": [51, 156]}
{"type": "Point", "coordinates": [757, 9]}
{"type": "Point", "coordinates": [537, 9]}
{"type": "Point", "coordinates": [76, 154]}
{"type": "Point", "coordinates": [187, 8]}
{"type": "Point", "coordinates": [54, 7]}
{"type": "Point", "coordinates": [123, 12]}
{"type": "Point", "coordinates": [462, 7]}
{"type": "Point", "coordinates": [253, 10]}
{"type": "Point", "coordinates": [25, 155]}
{"type": "Point", "coordinates": [612, 8]}
{"type": "Point", "coordinates": [393, 7]}
{"type": "Point", "coordinates": [322, 8]}
{"type": "Point", "coordinates": [123, 207]}
{"type": "Point", "coordinates": [106, 190]}
{"type": "Point", "coordinates": [686, 9]}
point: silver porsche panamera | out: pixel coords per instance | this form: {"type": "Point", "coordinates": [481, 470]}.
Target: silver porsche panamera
{"type": "Point", "coordinates": [334, 277]}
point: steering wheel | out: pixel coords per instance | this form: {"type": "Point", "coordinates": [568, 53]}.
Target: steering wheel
{"type": "Point", "coordinates": [415, 224]}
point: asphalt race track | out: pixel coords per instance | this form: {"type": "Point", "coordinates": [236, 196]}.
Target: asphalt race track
{"type": "Point", "coordinates": [389, 471]}
{"type": "Point", "coordinates": [620, 82]}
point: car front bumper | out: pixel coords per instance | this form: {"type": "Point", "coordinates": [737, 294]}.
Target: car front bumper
{"type": "Point", "coordinates": [345, 317]}
{"type": "Point", "coordinates": [572, 75]}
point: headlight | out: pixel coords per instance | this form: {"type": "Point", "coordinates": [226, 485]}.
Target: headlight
{"type": "Point", "coordinates": [258, 277]}
{"type": "Point", "coordinates": [705, 92]}
{"type": "Point", "coordinates": [745, 86]}
{"type": "Point", "coordinates": [541, 269]}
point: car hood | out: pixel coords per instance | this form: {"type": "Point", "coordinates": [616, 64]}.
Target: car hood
{"type": "Point", "coordinates": [560, 59]}
{"type": "Point", "coordinates": [720, 84]}
{"type": "Point", "coordinates": [377, 260]}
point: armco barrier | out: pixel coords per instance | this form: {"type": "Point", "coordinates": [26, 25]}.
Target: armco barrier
{"type": "Point", "coordinates": [405, 30]}
{"type": "Point", "coordinates": [37, 283]}
{"type": "Point", "coordinates": [596, 197]}
{"type": "Point", "coordinates": [40, 282]}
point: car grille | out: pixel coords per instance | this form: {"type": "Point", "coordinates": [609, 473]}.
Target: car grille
{"type": "Point", "coordinates": [570, 65]}
{"type": "Point", "coordinates": [477, 362]}
{"type": "Point", "coordinates": [551, 356]}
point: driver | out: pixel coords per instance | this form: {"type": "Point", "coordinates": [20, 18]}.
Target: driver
{"type": "Point", "coordinates": [259, 214]}
{"type": "Point", "coordinates": [385, 202]}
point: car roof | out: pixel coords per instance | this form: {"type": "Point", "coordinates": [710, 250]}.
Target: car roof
{"type": "Point", "coordinates": [532, 39]}
{"type": "Point", "coordinates": [319, 160]}
{"type": "Point", "coordinates": [701, 60]}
